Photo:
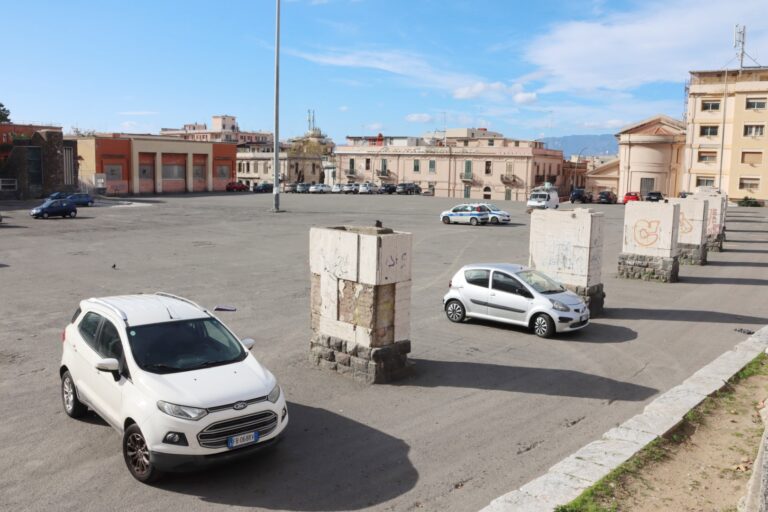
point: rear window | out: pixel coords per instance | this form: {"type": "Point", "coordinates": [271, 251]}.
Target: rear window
{"type": "Point", "coordinates": [88, 326]}
{"type": "Point", "coordinates": [540, 197]}
{"type": "Point", "coordinates": [477, 277]}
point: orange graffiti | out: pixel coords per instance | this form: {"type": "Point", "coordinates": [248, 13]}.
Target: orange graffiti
{"type": "Point", "coordinates": [685, 225]}
{"type": "Point", "coordinates": [646, 232]}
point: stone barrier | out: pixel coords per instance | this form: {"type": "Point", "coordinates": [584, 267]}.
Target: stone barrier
{"type": "Point", "coordinates": [568, 246]}
{"type": "Point", "coordinates": [717, 205]}
{"type": "Point", "coordinates": [692, 233]}
{"type": "Point", "coordinates": [360, 301]}
{"type": "Point", "coordinates": [649, 250]}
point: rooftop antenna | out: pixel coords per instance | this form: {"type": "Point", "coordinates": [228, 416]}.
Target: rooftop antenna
{"type": "Point", "coordinates": [740, 43]}
{"type": "Point", "coordinates": [309, 120]}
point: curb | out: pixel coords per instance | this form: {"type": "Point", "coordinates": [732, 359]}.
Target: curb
{"type": "Point", "coordinates": [756, 497]}
{"type": "Point", "coordinates": [567, 479]}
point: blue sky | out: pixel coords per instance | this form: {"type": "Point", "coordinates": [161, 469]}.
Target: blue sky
{"type": "Point", "coordinates": [526, 69]}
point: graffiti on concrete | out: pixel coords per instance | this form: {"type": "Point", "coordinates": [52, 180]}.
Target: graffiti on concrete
{"type": "Point", "coordinates": [646, 232]}
{"type": "Point", "coordinates": [685, 225]}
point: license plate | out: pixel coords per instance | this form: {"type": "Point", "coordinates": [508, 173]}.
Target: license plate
{"type": "Point", "coordinates": [249, 438]}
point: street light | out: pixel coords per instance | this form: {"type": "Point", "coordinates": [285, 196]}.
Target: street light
{"type": "Point", "coordinates": [276, 161]}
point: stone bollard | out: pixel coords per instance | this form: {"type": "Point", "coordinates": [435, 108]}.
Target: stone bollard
{"type": "Point", "coordinates": [649, 251]}
{"type": "Point", "coordinates": [692, 234]}
{"type": "Point", "coordinates": [568, 246]}
{"type": "Point", "coordinates": [717, 205]}
{"type": "Point", "coordinates": [360, 301]}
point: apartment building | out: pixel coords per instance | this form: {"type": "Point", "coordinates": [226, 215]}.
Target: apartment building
{"type": "Point", "coordinates": [726, 144]}
{"type": "Point", "coordinates": [224, 128]}
{"type": "Point", "coordinates": [121, 163]}
{"type": "Point", "coordinates": [470, 163]}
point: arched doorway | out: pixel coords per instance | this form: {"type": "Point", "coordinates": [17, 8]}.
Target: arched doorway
{"type": "Point", "coordinates": [487, 193]}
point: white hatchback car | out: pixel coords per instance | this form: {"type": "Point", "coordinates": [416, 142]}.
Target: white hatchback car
{"type": "Point", "coordinates": [179, 386]}
{"type": "Point", "coordinates": [514, 294]}
{"type": "Point", "coordinates": [319, 188]}
{"type": "Point", "coordinates": [496, 215]}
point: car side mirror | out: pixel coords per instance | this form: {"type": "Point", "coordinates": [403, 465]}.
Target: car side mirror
{"type": "Point", "coordinates": [249, 343]}
{"type": "Point", "coordinates": [108, 365]}
{"type": "Point", "coordinates": [230, 309]}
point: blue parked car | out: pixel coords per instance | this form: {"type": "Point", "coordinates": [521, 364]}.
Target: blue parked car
{"type": "Point", "coordinates": [81, 199]}
{"type": "Point", "coordinates": [55, 208]}
{"type": "Point", "coordinates": [58, 195]}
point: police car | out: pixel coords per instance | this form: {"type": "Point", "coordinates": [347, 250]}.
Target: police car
{"type": "Point", "coordinates": [473, 214]}
{"type": "Point", "coordinates": [496, 215]}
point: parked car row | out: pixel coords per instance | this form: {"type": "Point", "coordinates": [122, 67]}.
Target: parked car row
{"type": "Point", "coordinates": [78, 198]}
{"type": "Point", "coordinates": [352, 188]}
{"type": "Point", "coordinates": [650, 196]}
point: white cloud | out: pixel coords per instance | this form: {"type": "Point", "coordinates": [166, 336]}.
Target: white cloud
{"type": "Point", "coordinates": [137, 113]}
{"type": "Point", "coordinates": [525, 98]}
{"type": "Point", "coordinates": [660, 41]}
{"type": "Point", "coordinates": [419, 118]}
{"type": "Point", "coordinates": [343, 108]}
{"type": "Point", "coordinates": [494, 90]}
{"type": "Point", "coordinates": [128, 125]}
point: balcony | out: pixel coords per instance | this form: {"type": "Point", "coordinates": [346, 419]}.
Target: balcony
{"type": "Point", "coordinates": [467, 176]}
{"type": "Point", "coordinates": [510, 179]}
{"type": "Point", "coordinates": [350, 173]}
{"type": "Point", "coordinates": [384, 175]}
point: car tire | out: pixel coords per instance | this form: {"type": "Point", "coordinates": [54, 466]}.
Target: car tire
{"type": "Point", "coordinates": [557, 206]}
{"type": "Point", "coordinates": [90, 203]}
{"type": "Point", "coordinates": [72, 214]}
{"type": "Point", "coordinates": [494, 220]}
{"type": "Point", "coordinates": [473, 221]}
{"type": "Point", "coordinates": [543, 325]}
{"type": "Point", "coordinates": [137, 457]}
{"type": "Point", "coordinates": [446, 220]}
{"type": "Point", "coordinates": [455, 311]}
{"type": "Point", "coordinates": [72, 405]}
{"type": "Point", "coordinates": [45, 215]}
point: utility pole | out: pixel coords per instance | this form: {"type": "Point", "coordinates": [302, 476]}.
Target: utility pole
{"type": "Point", "coordinates": [276, 161]}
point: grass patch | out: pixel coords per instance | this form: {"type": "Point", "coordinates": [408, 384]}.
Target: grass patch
{"type": "Point", "coordinates": [602, 497]}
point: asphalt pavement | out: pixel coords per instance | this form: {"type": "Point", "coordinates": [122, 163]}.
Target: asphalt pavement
{"type": "Point", "coordinates": [489, 407]}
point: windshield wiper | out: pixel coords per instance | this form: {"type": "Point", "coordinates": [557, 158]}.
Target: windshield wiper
{"type": "Point", "coordinates": [162, 368]}
{"type": "Point", "coordinates": [208, 364]}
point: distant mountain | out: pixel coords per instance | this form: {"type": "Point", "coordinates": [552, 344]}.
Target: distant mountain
{"type": "Point", "coordinates": [587, 145]}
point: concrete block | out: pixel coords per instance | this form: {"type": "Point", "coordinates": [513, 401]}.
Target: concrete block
{"type": "Point", "coordinates": [693, 220]}
{"type": "Point", "coordinates": [329, 296]}
{"type": "Point", "coordinates": [651, 229]}
{"type": "Point", "coordinates": [333, 251]}
{"type": "Point", "coordinates": [567, 245]}
{"type": "Point", "coordinates": [580, 469]}
{"type": "Point", "coordinates": [704, 383]}
{"type": "Point", "coordinates": [608, 452]}
{"type": "Point", "coordinates": [338, 329]}
{"type": "Point", "coordinates": [717, 205]}
{"type": "Point", "coordinates": [622, 433]}
{"type": "Point", "coordinates": [677, 401]}
{"type": "Point", "coordinates": [653, 423]}
{"type": "Point", "coordinates": [555, 488]}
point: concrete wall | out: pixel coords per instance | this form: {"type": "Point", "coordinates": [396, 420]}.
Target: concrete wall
{"type": "Point", "coordinates": [651, 229]}
{"type": "Point", "coordinates": [716, 209]}
{"type": "Point", "coordinates": [568, 245]}
{"type": "Point", "coordinates": [693, 220]}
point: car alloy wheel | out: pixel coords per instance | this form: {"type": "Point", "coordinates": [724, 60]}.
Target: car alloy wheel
{"type": "Point", "coordinates": [542, 326]}
{"type": "Point", "coordinates": [137, 456]}
{"type": "Point", "coordinates": [454, 311]}
{"type": "Point", "coordinates": [473, 221]}
{"type": "Point", "coordinates": [494, 220]}
{"type": "Point", "coordinates": [446, 220]}
{"type": "Point", "coordinates": [72, 405]}
{"type": "Point", "coordinates": [45, 215]}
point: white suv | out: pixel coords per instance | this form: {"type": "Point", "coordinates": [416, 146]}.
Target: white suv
{"type": "Point", "coordinates": [179, 386]}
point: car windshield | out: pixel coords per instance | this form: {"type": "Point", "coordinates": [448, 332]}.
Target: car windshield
{"type": "Point", "coordinates": [185, 345]}
{"type": "Point", "coordinates": [540, 282]}
{"type": "Point", "coordinates": [46, 203]}
{"type": "Point", "coordinates": [539, 197]}
{"type": "Point", "coordinates": [493, 207]}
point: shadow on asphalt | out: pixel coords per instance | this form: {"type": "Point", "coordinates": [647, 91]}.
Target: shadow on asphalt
{"type": "Point", "coordinates": [521, 379]}
{"type": "Point", "coordinates": [747, 231]}
{"type": "Point", "coordinates": [751, 251]}
{"type": "Point", "coordinates": [683, 315]}
{"type": "Point", "coordinates": [594, 333]}
{"type": "Point", "coordinates": [744, 281]}
{"type": "Point", "coordinates": [3, 265]}
{"type": "Point", "coordinates": [326, 462]}
{"type": "Point", "coordinates": [731, 241]}
{"type": "Point", "coordinates": [737, 263]}
{"type": "Point", "coordinates": [11, 226]}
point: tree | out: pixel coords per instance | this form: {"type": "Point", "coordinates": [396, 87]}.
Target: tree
{"type": "Point", "coordinates": [5, 114]}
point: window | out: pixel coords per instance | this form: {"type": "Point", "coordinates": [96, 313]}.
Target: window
{"type": "Point", "coordinates": [383, 165]}
{"type": "Point", "coordinates": [754, 130]}
{"type": "Point", "coordinates": [222, 171]}
{"type": "Point", "coordinates": [88, 327]}
{"type": "Point", "coordinates": [710, 105]}
{"type": "Point", "coordinates": [490, 142]}
{"type": "Point", "coordinates": [468, 167]}
{"type": "Point", "coordinates": [173, 172]}
{"type": "Point", "coordinates": [432, 167]}
{"type": "Point", "coordinates": [755, 103]}
{"type": "Point", "coordinates": [113, 172]}
{"type": "Point", "coordinates": [708, 131]}
{"type": "Point", "coordinates": [198, 172]}
{"type": "Point", "coordinates": [749, 184]}
{"type": "Point", "coordinates": [487, 193]}
{"type": "Point", "coordinates": [707, 156]}
{"type": "Point", "coordinates": [467, 191]}
{"type": "Point", "coordinates": [751, 157]}
{"type": "Point", "coordinates": [367, 164]}
{"type": "Point", "coordinates": [416, 164]}
{"type": "Point", "coordinates": [146, 171]}
{"type": "Point", "coordinates": [477, 277]}
{"type": "Point", "coordinates": [488, 167]}
{"type": "Point", "coordinates": [466, 143]}
{"type": "Point", "coordinates": [109, 344]}
{"type": "Point", "coordinates": [705, 181]}
{"type": "Point", "coordinates": [506, 283]}
{"type": "Point", "coordinates": [351, 164]}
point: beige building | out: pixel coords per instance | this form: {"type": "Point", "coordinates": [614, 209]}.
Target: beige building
{"type": "Point", "coordinates": [471, 163]}
{"type": "Point", "coordinates": [223, 128]}
{"type": "Point", "coordinates": [603, 176]}
{"type": "Point", "coordinates": [727, 147]}
{"type": "Point", "coordinates": [651, 154]}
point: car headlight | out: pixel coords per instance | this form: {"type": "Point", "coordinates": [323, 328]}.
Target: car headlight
{"type": "Point", "coordinates": [274, 394]}
{"type": "Point", "coordinates": [181, 411]}
{"type": "Point", "coordinates": [559, 306]}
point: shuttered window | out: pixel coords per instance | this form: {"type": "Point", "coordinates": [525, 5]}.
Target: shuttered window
{"type": "Point", "coordinates": [751, 157]}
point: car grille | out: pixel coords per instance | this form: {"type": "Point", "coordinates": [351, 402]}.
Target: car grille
{"type": "Point", "coordinates": [215, 435]}
{"type": "Point", "coordinates": [232, 405]}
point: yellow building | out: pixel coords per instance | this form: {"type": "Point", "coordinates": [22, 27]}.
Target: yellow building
{"type": "Point", "coordinates": [726, 144]}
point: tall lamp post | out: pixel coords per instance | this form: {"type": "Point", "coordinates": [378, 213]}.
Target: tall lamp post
{"type": "Point", "coordinates": [276, 161]}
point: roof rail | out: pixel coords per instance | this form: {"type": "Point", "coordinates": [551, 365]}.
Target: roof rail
{"type": "Point", "coordinates": [182, 299]}
{"type": "Point", "coordinates": [112, 307]}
